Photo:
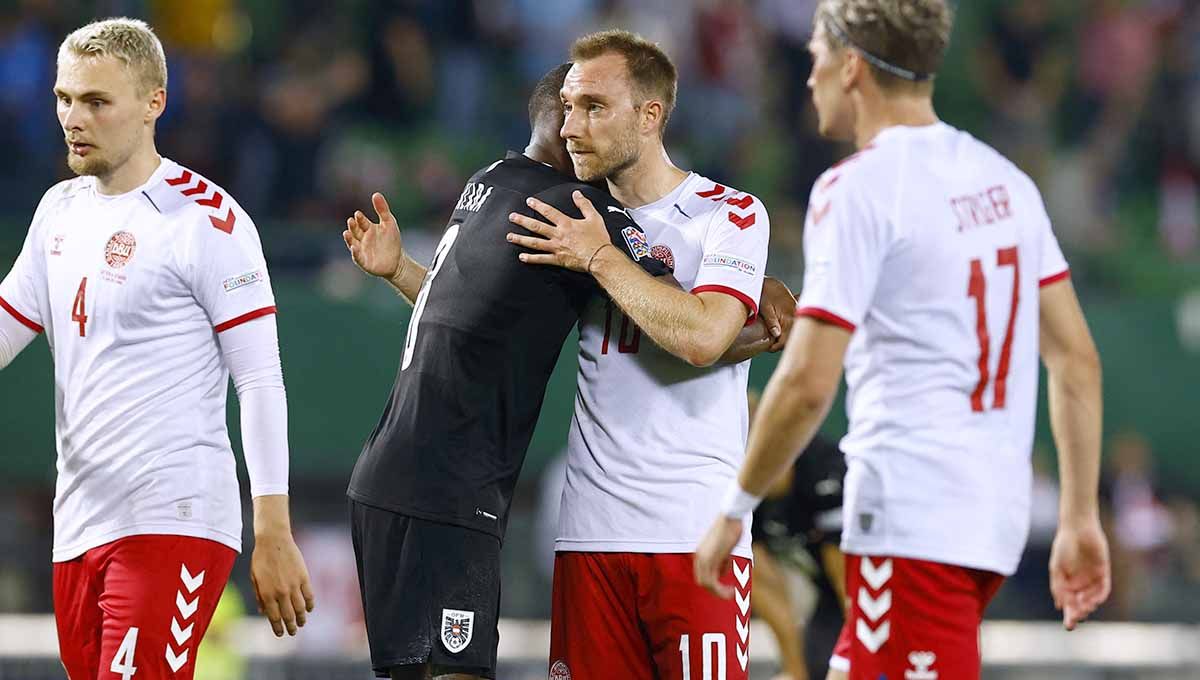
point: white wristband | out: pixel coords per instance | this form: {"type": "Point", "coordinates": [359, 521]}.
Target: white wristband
{"type": "Point", "coordinates": [738, 502]}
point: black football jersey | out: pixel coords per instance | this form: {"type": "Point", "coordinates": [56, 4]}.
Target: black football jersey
{"type": "Point", "coordinates": [485, 334]}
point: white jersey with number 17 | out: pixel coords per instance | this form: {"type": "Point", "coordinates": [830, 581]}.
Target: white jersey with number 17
{"type": "Point", "coordinates": [930, 247]}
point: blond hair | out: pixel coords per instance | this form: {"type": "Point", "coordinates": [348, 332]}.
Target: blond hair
{"type": "Point", "coordinates": [651, 71]}
{"type": "Point", "coordinates": [130, 41]}
{"type": "Point", "coordinates": [909, 35]}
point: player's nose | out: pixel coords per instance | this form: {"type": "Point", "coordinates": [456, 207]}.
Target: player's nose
{"type": "Point", "coordinates": [571, 126]}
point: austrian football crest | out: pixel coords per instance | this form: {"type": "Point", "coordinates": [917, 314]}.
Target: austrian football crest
{"type": "Point", "coordinates": [560, 671]}
{"type": "Point", "coordinates": [663, 254]}
{"type": "Point", "coordinates": [457, 628]}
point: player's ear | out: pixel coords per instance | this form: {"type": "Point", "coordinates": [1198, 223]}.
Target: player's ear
{"type": "Point", "coordinates": [652, 116]}
{"type": "Point", "coordinates": [155, 105]}
{"type": "Point", "coordinates": [851, 70]}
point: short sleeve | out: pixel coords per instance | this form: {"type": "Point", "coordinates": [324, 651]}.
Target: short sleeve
{"type": "Point", "coordinates": [227, 273]}
{"type": "Point", "coordinates": [734, 260]}
{"type": "Point", "coordinates": [23, 292]}
{"type": "Point", "coordinates": [1053, 266]}
{"type": "Point", "coordinates": [844, 249]}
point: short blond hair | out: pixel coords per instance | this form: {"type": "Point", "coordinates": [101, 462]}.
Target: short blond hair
{"type": "Point", "coordinates": [909, 34]}
{"type": "Point", "coordinates": [131, 41]}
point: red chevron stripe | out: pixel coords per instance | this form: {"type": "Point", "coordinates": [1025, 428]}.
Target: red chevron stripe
{"type": "Point", "coordinates": [201, 188]}
{"type": "Point", "coordinates": [718, 189]}
{"type": "Point", "coordinates": [828, 182]}
{"type": "Point", "coordinates": [185, 178]}
{"type": "Point", "coordinates": [225, 225]}
{"type": "Point", "coordinates": [819, 212]}
{"type": "Point", "coordinates": [742, 203]}
{"type": "Point", "coordinates": [214, 202]}
{"type": "Point", "coordinates": [742, 223]}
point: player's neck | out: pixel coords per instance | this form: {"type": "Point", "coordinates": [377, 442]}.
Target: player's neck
{"type": "Point", "coordinates": [883, 113]}
{"type": "Point", "coordinates": [132, 174]}
{"type": "Point", "coordinates": [644, 182]}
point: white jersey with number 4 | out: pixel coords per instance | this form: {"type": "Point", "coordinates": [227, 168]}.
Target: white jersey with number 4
{"type": "Point", "coordinates": [931, 247]}
{"type": "Point", "coordinates": [131, 291]}
{"type": "Point", "coordinates": [654, 441]}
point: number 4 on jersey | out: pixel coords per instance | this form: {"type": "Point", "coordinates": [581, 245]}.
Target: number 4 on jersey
{"type": "Point", "coordinates": [79, 309]}
{"type": "Point", "coordinates": [977, 288]}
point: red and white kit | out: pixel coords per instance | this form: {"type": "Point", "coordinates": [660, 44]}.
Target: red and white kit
{"type": "Point", "coordinates": [132, 291]}
{"type": "Point", "coordinates": [653, 443]}
{"type": "Point", "coordinates": [931, 247]}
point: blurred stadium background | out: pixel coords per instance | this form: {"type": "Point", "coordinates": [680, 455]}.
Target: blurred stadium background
{"type": "Point", "coordinates": [302, 108]}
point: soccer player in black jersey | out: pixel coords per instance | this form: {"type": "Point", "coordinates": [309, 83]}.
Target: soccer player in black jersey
{"type": "Point", "coordinates": [431, 491]}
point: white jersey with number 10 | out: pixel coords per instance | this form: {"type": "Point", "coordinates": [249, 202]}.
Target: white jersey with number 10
{"type": "Point", "coordinates": [931, 247]}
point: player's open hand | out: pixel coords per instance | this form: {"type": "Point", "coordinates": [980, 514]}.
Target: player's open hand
{"type": "Point", "coordinates": [277, 569]}
{"type": "Point", "coordinates": [565, 241]}
{"type": "Point", "coordinates": [1080, 573]}
{"type": "Point", "coordinates": [375, 246]}
{"type": "Point", "coordinates": [777, 307]}
{"type": "Point", "coordinates": [713, 555]}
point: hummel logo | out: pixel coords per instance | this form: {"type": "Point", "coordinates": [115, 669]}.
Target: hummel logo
{"type": "Point", "coordinates": [921, 662]}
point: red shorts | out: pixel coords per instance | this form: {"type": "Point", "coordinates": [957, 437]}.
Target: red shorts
{"type": "Point", "coordinates": [140, 603]}
{"type": "Point", "coordinates": [912, 619]}
{"type": "Point", "coordinates": [641, 616]}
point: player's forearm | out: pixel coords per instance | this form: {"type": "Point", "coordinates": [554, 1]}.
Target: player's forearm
{"type": "Point", "coordinates": [271, 516]}
{"type": "Point", "coordinates": [792, 410]}
{"type": "Point", "coordinates": [14, 337]}
{"type": "Point", "coordinates": [1076, 418]}
{"type": "Point", "coordinates": [749, 343]}
{"type": "Point", "coordinates": [673, 318]}
{"type": "Point", "coordinates": [251, 352]}
{"type": "Point", "coordinates": [408, 279]}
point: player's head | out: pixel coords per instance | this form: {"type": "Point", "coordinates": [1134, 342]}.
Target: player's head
{"type": "Point", "coordinates": [111, 89]}
{"type": "Point", "coordinates": [546, 119]}
{"type": "Point", "coordinates": [875, 48]}
{"type": "Point", "coordinates": [617, 99]}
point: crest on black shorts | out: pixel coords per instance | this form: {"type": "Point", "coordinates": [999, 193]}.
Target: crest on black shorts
{"type": "Point", "coordinates": [457, 627]}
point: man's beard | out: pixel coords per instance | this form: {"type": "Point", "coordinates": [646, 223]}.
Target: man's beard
{"type": "Point", "coordinates": [89, 166]}
{"type": "Point", "coordinates": [624, 153]}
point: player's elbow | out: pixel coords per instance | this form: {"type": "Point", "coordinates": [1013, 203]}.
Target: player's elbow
{"type": "Point", "coordinates": [703, 352]}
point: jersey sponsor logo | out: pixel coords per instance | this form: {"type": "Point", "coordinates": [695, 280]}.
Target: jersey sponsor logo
{"type": "Point", "coordinates": [737, 264]}
{"type": "Point", "coordinates": [560, 671]}
{"type": "Point", "coordinates": [458, 626]}
{"type": "Point", "coordinates": [921, 661]}
{"type": "Point", "coordinates": [473, 197]}
{"type": "Point", "coordinates": [119, 250]}
{"type": "Point", "coordinates": [635, 238]}
{"type": "Point", "coordinates": [613, 208]}
{"type": "Point", "coordinates": [56, 249]}
{"type": "Point", "coordinates": [242, 280]}
{"type": "Point", "coordinates": [663, 254]}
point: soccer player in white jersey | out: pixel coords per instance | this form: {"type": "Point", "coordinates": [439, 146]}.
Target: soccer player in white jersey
{"type": "Point", "coordinates": [658, 428]}
{"type": "Point", "coordinates": [933, 274]}
{"type": "Point", "coordinates": [150, 284]}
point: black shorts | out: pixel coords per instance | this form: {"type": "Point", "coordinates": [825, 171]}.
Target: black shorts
{"type": "Point", "coordinates": [430, 591]}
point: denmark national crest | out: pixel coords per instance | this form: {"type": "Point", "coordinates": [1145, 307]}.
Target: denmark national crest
{"type": "Point", "coordinates": [457, 628]}
{"type": "Point", "coordinates": [119, 249]}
